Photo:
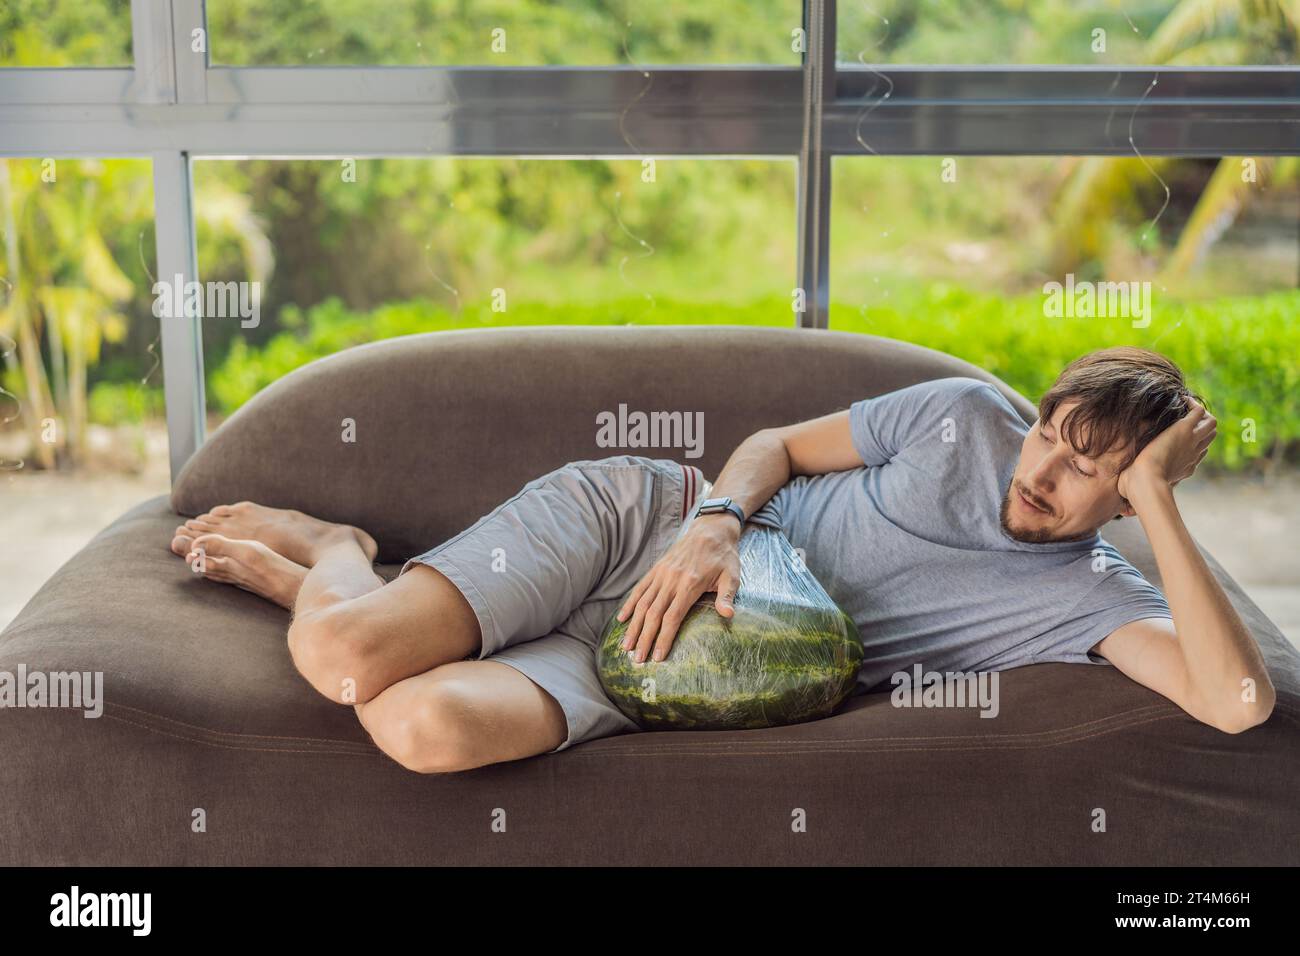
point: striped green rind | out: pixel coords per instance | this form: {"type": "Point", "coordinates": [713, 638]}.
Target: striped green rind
{"type": "Point", "coordinates": [788, 663]}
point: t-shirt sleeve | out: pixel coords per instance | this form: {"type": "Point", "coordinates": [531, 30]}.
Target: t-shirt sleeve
{"type": "Point", "coordinates": [883, 426]}
{"type": "Point", "coordinates": [1122, 596]}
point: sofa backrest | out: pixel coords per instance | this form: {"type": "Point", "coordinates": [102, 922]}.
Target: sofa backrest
{"type": "Point", "coordinates": [446, 425]}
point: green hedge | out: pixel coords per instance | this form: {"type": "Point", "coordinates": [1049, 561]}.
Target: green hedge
{"type": "Point", "coordinates": [113, 403]}
{"type": "Point", "coordinates": [1241, 353]}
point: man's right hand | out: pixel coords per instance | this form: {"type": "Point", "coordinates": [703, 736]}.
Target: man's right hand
{"type": "Point", "coordinates": [705, 558]}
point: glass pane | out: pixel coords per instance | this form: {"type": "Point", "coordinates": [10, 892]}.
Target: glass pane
{"type": "Point", "coordinates": [503, 32]}
{"type": "Point", "coordinates": [347, 252]}
{"type": "Point", "coordinates": [65, 33]}
{"type": "Point", "coordinates": [1176, 32]}
{"type": "Point", "coordinates": [82, 436]}
{"type": "Point", "coordinates": [1021, 264]}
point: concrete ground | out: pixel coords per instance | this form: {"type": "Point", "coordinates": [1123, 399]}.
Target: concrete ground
{"type": "Point", "coordinates": [1252, 528]}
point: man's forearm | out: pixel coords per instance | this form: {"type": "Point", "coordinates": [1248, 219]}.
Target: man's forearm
{"type": "Point", "coordinates": [1217, 648]}
{"type": "Point", "coordinates": [756, 470]}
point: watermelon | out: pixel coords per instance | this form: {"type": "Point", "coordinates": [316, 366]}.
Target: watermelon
{"type": "Point", "coordinates": [788, 655]}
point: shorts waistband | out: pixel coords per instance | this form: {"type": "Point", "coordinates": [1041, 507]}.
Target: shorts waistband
{"type": "Point", "coordinates": [694, 489]}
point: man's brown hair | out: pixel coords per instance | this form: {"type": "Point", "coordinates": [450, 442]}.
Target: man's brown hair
{"type": "Point", "coordinates": [1125, 395]}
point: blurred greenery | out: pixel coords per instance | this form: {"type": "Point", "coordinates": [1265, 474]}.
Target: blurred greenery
{"type": "Point", "coordinates": [117, 403]}
{"type": "Point", "coordinates": [605, 32]}
{"type": "Point", "coordinates": [1238, 353]}
{"type": "Point", "coordinates": [65, 33]}
{"type": "Point", "coordinates": [98, 33]}
{"type": "Point", "coordinates": [536, 32]}
{"type": "Point", "coordinates": [65, 301]}
{"type": "Point", "coordinates": [1185, 32]}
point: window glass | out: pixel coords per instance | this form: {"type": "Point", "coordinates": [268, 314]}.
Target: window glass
{"type": "Point", "coordinates": [82, 436]}
{"type": "Point", "coordinates": [1174, 32]}
{"type": "Point", "coordinates": [504, 32]}
{"type": "Point", "coordinates": [1021, 264]}
{"type": "Point", "coordinates": [350, 251]}
{"type": "Point", "coordinates": [65, 33]}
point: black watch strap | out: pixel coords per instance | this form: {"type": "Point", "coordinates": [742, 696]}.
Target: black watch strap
{"type": "Point", "coordinates": [735, 509]}
{"type": "Point", "coordinates": [727, 505]}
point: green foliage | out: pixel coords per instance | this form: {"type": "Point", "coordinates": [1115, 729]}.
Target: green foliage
{"type": "Point", "coordinates": [64, 293]}
{"type": "Point", "coordinates": [1238, 353]}
{"type": "Point", "coordinates": [1189, 32]}
{"type": "Point", "coordinates": [420, 228]}
{"type": "Point", "coordinates": [536, 32]}
{"type": "Point", "coordinates": [65, 33]}
{"type": "Point", "coordinates": [123, 403]}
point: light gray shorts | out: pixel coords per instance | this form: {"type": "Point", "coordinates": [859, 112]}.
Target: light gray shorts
{"type": "Point", "coordinates": [545, 570]}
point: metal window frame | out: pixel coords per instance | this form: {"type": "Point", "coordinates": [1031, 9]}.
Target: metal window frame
{"type": "Point", "coordinates": [173, 106]}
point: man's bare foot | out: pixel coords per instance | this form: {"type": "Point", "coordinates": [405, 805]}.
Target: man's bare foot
{"type": "Point", "coordinates": [297, 536]}
{"type": "Point", "coordinates": [250, 565]}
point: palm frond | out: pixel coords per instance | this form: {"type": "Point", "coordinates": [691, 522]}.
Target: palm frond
{"type": "Point", "coordinates": [1222, 200]}
{"type": "Point", "coordinates": [1099, 191]}
{"type": "Point", "coordinates": [1220, 51]}
{"type": "Point", "coordinates": [1192, 22]}
{"type": "Point", "coordinates": [230, 213]}
{"type": "Point", "coordinates": [101, 271]}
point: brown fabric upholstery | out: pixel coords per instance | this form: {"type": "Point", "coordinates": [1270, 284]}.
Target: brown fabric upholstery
{"type": "Point", "coordinates": [204, 708]}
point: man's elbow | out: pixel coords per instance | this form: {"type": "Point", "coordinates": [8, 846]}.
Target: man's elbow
{"type": "Point", "coordinates": [773, 439]}
{"type": "Point", "coordinates": [1245, 715]}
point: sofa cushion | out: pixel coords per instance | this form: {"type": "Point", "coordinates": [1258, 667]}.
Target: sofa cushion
{"type": "Point", "coordinates": [204, 710]}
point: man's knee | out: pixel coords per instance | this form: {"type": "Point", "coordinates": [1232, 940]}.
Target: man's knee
{"type": "Point", "coordinates": [334, 649]}
{"type": "Point", "coordinates": [438, 733]}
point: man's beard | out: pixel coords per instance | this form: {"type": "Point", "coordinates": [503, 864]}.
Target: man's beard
{"type": "Point", "coordinates": [1031, 535]}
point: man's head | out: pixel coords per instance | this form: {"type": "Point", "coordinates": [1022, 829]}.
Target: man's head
{"type": "Point", "coordinates": [1103, 410]}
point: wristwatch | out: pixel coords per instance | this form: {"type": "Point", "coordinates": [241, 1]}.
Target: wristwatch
{"type": "Point", "coordinates": [713, 506]}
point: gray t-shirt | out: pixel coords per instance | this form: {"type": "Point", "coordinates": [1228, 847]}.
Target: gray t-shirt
{"type": "Point", "coordinates": [912, 547]}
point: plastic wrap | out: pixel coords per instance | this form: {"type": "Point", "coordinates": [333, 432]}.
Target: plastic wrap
{"type": "Point", "coordinates": [789, 654]}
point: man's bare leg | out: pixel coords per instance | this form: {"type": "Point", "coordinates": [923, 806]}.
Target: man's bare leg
{"type": "Point", "coordinates": [352, 635]}
{"type": "Point", "coordinates": [463, 715]}
{"type": "Point", "coordinates": [420, 701]}
{"type": "Point", "coordinates": [395, 652]}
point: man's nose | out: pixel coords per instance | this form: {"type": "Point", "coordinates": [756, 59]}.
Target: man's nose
{"type": "Point", "coordinates": [1042, 477]}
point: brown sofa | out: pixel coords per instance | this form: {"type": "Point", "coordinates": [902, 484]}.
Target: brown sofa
{"type": "Point", "coordinates": [205, 710]}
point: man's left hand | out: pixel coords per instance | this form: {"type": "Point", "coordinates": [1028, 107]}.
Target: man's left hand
{"type": "Point", "coordinates": [1174, 454]}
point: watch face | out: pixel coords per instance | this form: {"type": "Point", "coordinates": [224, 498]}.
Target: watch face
{"type": "Point", "coordinates": [714, 504]}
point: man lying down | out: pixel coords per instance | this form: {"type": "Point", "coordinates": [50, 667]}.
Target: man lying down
{"type": "Point", "coordinates": [950, 534]}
